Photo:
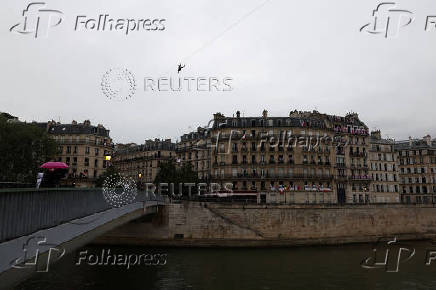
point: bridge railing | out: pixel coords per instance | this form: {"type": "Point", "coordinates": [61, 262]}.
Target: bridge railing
{"type": "Point", "coordinates": [25, 211]}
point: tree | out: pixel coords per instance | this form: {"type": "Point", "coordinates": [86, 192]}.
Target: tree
{"type": "Point", "coordinates": [169, 173]}
{"type": "Point", "coordinates": [110, 171]}
{"type": "Point", "coordinates": [23, 149]}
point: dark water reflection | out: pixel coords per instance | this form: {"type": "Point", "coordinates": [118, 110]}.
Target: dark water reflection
{"type": "Point", "coordinates": [331, 267]}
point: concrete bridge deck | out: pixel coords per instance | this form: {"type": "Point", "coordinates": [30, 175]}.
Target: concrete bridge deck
{"type": "Point", "coordinates": [37, 227]}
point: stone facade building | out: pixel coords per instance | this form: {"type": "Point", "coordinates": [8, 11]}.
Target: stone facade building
{"type": "Point", "coordinates": [417, 170]}
{"type": "Point", "coordinates": [141, 162]}
{"type": "Point", "coordinates": [383, 169]}
{"type": "Point", "coordinates": [307, 157]}
{"type": "Point", "coordinates": [83, 148]}
{"type": "Point", "coordinates": [194, 148]}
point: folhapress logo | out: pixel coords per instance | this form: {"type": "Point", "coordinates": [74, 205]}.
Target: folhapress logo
{"type": "Point", "coordinates": [388, 20]}
{"type": "Point", "coordinates": [37, 20]}
{"type": "Point", "coordinates": [32, 255]}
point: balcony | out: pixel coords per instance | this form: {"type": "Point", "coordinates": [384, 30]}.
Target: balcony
{"type": "Point", "coordinates": [245, 175]}
{"type": "Point", "coordinates": [356, 166]}
{"type": "Point", "coordinates": [311, 176]}
{"type": "Point", "coordinates": [360, 178]}
{"type": "Point", "coordinates": [83, 142]}
{"type": "Point", "coordinates": [278, 176]}
{"type": "Point", "coordinates": [320, 150]}
{"type": "Point", "coordinates": [358, 154]}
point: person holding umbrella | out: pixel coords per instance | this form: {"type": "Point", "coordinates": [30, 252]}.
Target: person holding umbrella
{"type": "Point", "coordinates": [55, 171]}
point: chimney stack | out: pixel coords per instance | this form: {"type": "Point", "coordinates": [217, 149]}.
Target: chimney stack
{"type": "Point", "coordinates": [427, 140]}
{"type": "Point", "coordinates": [265, 114]}
{"type": "Point", "coordinates": [376, 135]}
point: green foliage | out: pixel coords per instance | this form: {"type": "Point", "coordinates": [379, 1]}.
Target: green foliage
{"type": "Point", "coordinates": [170, 173]}
{"type": "Point", "coordinates": [23, 149]}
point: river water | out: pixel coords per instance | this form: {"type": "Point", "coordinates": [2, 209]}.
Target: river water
{"type": "Point", "coordinates": [326, 267]}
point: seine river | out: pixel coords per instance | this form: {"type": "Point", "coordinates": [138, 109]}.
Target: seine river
{"type": "Point", "coordinates": [326, 267]}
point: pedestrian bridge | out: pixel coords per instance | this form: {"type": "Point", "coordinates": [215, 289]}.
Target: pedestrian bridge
{"type": "Point", "coordinates": [38, 225]}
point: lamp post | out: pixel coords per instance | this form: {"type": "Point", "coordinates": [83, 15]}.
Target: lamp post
{"type": "Point", "coordinates": [139, 180]}
{"type": "Point", "coordinates": [108, 159]}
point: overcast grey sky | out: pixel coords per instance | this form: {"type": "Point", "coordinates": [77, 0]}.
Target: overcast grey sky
{"type": "Point", "coordinates": [286, 55]}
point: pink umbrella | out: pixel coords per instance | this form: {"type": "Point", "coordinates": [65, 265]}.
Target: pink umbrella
{"type": "Point", "coordinates": [54, 165]}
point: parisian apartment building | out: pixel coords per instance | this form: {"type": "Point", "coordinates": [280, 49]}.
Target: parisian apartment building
{"type": "Point", "coordinates": [267, 154]}
{"type": "Point", "coordinates": [293, 155]}
{"type": "Point", "coordinates": [305, 157]}
{"type": "Point", "coordinates": [383, 169]}
{"type": "Point", "coordinates": [417, 169]}
{"type": "Point", "coordinates": [83, 147]}
{"type": "Point", "coordinates": [141, 162]}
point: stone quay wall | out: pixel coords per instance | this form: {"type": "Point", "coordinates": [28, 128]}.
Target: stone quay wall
{"type": "Point", "coordinates": [200, 224]}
